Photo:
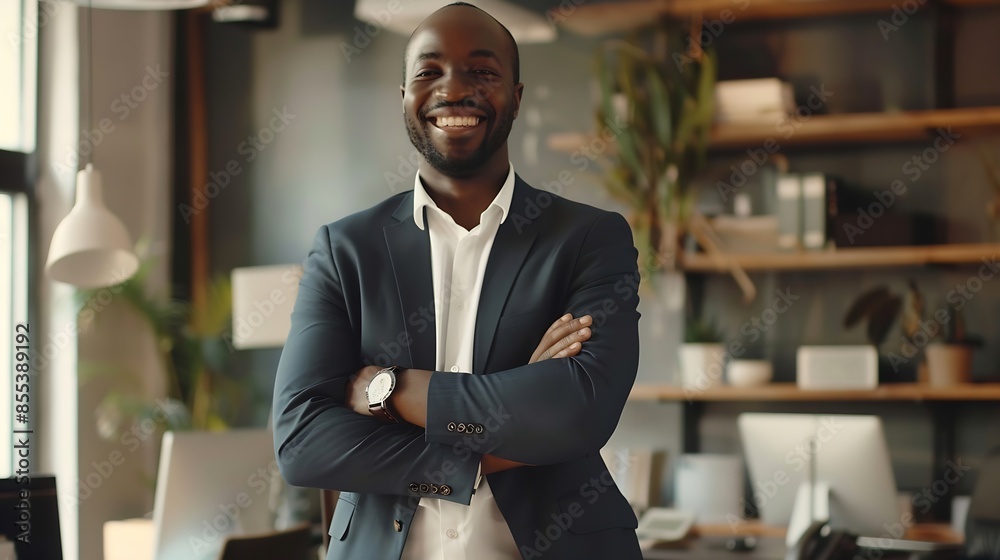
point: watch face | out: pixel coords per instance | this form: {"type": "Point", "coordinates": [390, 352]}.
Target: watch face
{"type": "Point", "coordinates": [379, 387]}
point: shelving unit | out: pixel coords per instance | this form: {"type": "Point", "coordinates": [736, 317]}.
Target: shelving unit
{"type": "Point", "coordinates": [830, 129]}
{"type": "Point", "coordinates": [866, 257]}
{"type": "Point", "coordinates": [789, 392]}
{"type": "Point", "coordinates": [813, 132]}
{"type": "Point", "coordinates": [596, 19]}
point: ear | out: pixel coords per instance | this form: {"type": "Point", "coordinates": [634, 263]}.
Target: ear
{"type": "Point", "coordinates": [518, 90]}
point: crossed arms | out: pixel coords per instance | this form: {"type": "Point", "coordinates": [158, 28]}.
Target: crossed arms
{"type": "Point", "coordinates": [545, 412]}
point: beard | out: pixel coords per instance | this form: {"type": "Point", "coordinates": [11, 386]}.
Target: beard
{"type": "Point", "coordinates": [496, 135]}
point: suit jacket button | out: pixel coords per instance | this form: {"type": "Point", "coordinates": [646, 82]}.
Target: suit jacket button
{"type": "Point", "coordinates": [398, 525]}
{"type": "Point", "coordinates": [424, 488]}
{"type": "Point", "coordinates": [461, 427]}
{"type": "Point", "coordinates": [434, 488]}
{"type": "Point", "coordinates": [479, 428]}
{"type": "Point", "coordinates": [414, 487]}
{"type": "Point", "coordinates": [451, 426]}
{"type": "Point", "coordinates": [445, 489]}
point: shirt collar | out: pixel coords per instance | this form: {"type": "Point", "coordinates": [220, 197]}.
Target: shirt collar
{"type": "Point", "coordinates": [501, 201]}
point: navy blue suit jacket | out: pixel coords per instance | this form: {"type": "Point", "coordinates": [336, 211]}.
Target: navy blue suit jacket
{"type": "Point", "coordinates": [366, 297]}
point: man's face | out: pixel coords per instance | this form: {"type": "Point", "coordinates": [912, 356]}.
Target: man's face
{"type": "Point", "coordinates": [459, 98]}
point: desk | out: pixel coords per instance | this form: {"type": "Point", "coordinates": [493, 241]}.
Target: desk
{"type": "Point", "coordinates": [708, 542]}
{"type": "Point", "coordinates": [714, 548]}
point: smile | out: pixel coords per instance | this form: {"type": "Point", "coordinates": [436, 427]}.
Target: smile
{"type": "Point", "coordinates": [455, 122]}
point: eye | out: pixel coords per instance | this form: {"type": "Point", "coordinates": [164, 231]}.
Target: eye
{"type": "Point", "coordinates": [425, 73]}
{"type": "Point", "coordinates": [484, 71]}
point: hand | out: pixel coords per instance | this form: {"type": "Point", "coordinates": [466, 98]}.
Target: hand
{"type": "Point", "coordinates": [492, 464]}
{"type": "Point", "coordinates": [357, 399]}
{"type": "Point", "coordinates": [564, 338]}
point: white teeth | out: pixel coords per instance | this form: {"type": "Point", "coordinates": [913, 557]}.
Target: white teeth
{"type": "Point", "coordinates": [457, 121]}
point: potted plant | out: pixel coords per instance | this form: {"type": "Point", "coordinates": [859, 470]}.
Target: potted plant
{"type": "Point", "coordinates": [702, 356]}
{"type": "Point", "coordinates": [881, 308]}
{"type": "Point", "coordinates": [949, 359]}
{"type": "Point", "coordinates": [936, 350]}
{"type": "Point", "coordinates": [192, 347]}
{"type": "Point", "coordinates": [659, 109]}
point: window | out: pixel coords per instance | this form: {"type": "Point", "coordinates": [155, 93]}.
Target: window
{"type": "Point", "coordinates": [13, 308]}
{"type": "Point", "coordinates": [19, 23]}
{"type": "Point", "coordinates": [18, 67]}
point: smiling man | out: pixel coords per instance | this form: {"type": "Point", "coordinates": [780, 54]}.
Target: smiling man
{"type": "Point", "coordinates": [459, 353]}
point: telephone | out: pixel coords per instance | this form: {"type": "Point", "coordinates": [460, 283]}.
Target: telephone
{"type": "Point", "coordinates": [819, 542]}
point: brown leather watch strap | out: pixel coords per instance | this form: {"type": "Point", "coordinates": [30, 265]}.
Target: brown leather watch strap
{"type": "Point", "coordinates": [381, 411]}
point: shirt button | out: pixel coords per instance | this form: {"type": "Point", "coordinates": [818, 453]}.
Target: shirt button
{"type": "Point", "coordinates": [454, 369]}
{"type": "Point", "coordinates": [460, 306]}
{"type": "Point", "coordinates": [452, 534]}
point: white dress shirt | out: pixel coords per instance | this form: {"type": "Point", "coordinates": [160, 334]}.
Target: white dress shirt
{"type": "Point", "coordinates": [443, 530]}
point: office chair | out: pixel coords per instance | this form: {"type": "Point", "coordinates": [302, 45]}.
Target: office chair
{"type": "Point", "coordinates": [982, 524]}
{"type": "Point", "coordinates": [291, 544]}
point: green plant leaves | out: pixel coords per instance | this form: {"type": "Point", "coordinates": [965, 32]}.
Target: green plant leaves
{"type": "Point", "coordinates": [864, 305]}
{"type": "Point", "coordinates": [663, 135]}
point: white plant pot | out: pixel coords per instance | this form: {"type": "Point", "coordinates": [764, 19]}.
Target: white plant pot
{"type": "Point", "coordinates": [702, 365]}
{"type": "Point", "coordinates": [749, 373]}
{"type": "Point", "coordinates": [949, 364]}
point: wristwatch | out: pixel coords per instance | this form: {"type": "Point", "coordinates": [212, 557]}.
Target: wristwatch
{"type": "Point", "coordinates": [378, 391]}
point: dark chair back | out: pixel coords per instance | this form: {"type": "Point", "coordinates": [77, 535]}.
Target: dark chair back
{"type": "Point", "coordinates": [982, 524]}
{"type": "Point", "coordinates": [291, 544]}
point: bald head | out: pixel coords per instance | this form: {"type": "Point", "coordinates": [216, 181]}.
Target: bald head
{"type": "Point", "coordinates": [464, 15]}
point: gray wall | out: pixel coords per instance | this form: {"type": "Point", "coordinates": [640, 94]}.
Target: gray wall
{"type": "Point", "coordinates": [347, 134]}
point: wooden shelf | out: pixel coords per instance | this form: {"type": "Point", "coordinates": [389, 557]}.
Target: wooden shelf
{"type": "Point", "coordinates": [789, 392]}
{"type": "Point", "coordinates": [930, 532]}
{"type": "Point", "coordinates": [866, 257]}
{"type": "Point", "coordinates": [826, 129]}
{"type": "Point", "coordinates": [602, 18]}
{"type": "Point", "coordinates": [858, 128]}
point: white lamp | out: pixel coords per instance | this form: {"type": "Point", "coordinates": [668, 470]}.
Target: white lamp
{"type": "Point", "coordinates": [263, 298]}
{"type": "Point", "coordinates": [91, 247]}
{"type": "Point", "coordinates": [525, 25]}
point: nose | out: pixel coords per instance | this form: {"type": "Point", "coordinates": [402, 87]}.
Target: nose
{"type": "Point", "coordinates": [455, 87]}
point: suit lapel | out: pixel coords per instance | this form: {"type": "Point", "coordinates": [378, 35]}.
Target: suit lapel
{"type": "Point", "coordinates": [410, 253]}
{"type": "Point", "coordinates": [513, 240]}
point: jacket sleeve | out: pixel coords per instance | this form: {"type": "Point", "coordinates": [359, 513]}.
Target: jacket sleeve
{"type": "Point", "coordinates": [321, 443]}
{"type": "Point", "coordinates": [557, 409]}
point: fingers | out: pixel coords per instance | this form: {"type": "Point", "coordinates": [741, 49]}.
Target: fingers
{"type": "Point", "coordinates": [571, 344]}
{"type": "Point", "coordinates": [564, 338]}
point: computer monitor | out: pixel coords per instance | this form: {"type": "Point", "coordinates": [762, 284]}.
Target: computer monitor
{"type": "Point", "coordinates": [29, 507]}
{"type": "Point", "coordinates": [850, 459]}
{"type": "Point", "coordinates": [211, 485]}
